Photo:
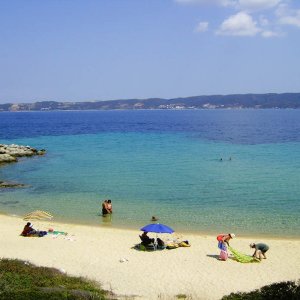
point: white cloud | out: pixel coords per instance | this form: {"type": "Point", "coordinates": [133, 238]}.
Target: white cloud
{"type": "Point", "coordinates": [288, 16]}
{"type": "Point", "coordinates": [268, 29]}
{"type": "Point", "coordinates": [263, 21]}
{"type": "Point", "coordinates": [248, 21]}
{"type": "Point", "coordinates": [202, 27]}
{"type": "Point", "coordinates": [270, 33]}
{"type": "Point", "coordinates": [240, 24]}
{"type": "Point", "coordinates": [211, 2]}
{"type": "Point", "coordinates": [257, 4]}
{"type": "Point", "coordinates": [291, 20]}
{"type": "Point", "coordinates": [238, 4]}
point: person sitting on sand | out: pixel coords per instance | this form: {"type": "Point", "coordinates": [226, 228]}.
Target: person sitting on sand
{"type": "Point", "coordinates": [145, 239]}
{"type": "Point", "coordinates": [260, 250]}
{"type": "Point", "coordinates": [28, 230]}
{"type": "Point", "coordinates": [160, 243]}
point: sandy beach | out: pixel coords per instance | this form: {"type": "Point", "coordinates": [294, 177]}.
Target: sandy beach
{"type": "Point", "coordinates": [106, 255]}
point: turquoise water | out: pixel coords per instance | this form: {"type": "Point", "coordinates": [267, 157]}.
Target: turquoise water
{"type": "Point", "coordinates": [177, 177]}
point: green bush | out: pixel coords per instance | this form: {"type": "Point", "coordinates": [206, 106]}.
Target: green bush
{"type": "Point", "coordinates": [287, 290]}
{"type": "Point", "coordinates": [21, 280]}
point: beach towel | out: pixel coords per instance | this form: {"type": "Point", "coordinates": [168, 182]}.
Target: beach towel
{"type": "Point", "coordinates": [57, 232]}
{"type": "Point", "coordinates": [241, 257]}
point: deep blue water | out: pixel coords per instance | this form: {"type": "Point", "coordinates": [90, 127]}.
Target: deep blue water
{"type": "Point", "coordinates": [232, 126]}
{"type": "Point", "coordinates": [164, 163]}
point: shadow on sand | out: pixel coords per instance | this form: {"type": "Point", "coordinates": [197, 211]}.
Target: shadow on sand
{"type": "Point", "coordinates": [213, 256]}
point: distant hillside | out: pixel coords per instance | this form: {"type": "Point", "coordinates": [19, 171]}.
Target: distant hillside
{"type": "Point", "coordinates": [287, 100]}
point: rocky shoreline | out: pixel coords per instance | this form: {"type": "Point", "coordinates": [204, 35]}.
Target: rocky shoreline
{"type": "Point", "coordinates": [10, 154]}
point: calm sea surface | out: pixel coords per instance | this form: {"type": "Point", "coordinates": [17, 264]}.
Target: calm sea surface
{"type": "Point", "coordinates": [161, 163]}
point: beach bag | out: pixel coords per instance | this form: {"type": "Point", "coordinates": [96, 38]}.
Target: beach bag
{"type": "Point", "coordinates": [223, 255]}
{"type": "Point", "coordinates": [172, 246]}
{"type": "Point", "coordinates": [184, 244]}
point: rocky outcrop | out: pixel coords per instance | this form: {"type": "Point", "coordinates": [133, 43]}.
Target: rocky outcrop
{"type": "Point", "coordinates": [6, 158]}
{"type": "Point", "coordinates": [9, 153]}
{"type": "Point", "coordinates": [5, 184]}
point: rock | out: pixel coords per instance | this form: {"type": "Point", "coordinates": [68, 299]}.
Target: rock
{"type": "Point", "coordinates": [41, 152]}
{"type": "Point", "coordinates": [8, 153]}
{"type": "Point", "coordinates": [7, 158]}
{"type": "Point", "coordinates": [5, 184]}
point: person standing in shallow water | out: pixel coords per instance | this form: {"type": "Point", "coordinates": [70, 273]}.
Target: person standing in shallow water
{"type": "Point", "coordinates": [104, 208]}
{"type": "Point", "coordinates": [109, 206]}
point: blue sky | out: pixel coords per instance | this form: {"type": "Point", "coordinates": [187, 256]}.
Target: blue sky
{"type": "Point", "coordinates": [83, 50]}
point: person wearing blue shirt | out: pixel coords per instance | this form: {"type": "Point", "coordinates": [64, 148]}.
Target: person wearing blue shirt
{"type": "Point", "coordinates": [260, 250]}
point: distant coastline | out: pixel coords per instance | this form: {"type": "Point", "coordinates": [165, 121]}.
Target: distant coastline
{"type": "Point", "coordinates": [235, 101]}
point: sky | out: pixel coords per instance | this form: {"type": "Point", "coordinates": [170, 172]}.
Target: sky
{"type": "Point", "coordinates": [88, 50]}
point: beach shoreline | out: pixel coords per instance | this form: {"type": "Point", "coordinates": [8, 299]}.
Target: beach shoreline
{"type": "Point", "coordinates": [106, 255]}
{"type": "Point", "coordinates": [193, 232]}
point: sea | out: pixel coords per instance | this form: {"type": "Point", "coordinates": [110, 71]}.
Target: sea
{"type": "Point", "coordinates": [200, 171]}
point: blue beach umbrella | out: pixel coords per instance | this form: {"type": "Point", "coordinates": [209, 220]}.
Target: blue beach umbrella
{"type": "Point", "coordinates": [157, 228]}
